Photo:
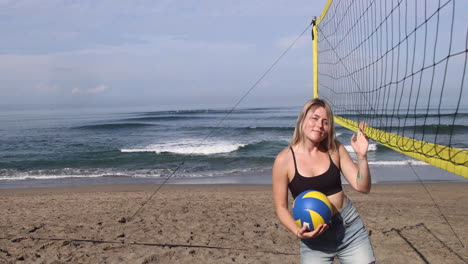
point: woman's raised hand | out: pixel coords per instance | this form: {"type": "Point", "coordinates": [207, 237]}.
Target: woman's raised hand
{"type": "Point", "coordinates": [359, 141]}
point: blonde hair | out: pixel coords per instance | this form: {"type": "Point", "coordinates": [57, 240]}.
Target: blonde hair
{"type": "Point", "coordinates": [329, 143]}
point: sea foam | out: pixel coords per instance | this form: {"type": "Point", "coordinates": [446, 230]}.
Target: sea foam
{"type": "Point", "coordinates": [190, 147]}
{"type": "Point", "coordinates": [372, 147]}
{"type": "Point", "coordinates": [398, 163]}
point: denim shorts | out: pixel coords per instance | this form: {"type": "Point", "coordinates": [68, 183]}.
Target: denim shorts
{"type": "Point", "coordinates": [346, 238]}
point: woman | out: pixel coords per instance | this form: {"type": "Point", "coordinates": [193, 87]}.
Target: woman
{"type": "Point", "coordinates": [314, 160]}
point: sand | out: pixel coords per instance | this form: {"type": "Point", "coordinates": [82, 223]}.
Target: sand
{"type": "Point", "coordinates": [216, 224]}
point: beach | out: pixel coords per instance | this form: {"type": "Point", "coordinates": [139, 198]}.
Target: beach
{"type": "Point", "coordinates": [147, 133]}
{"type": "Point", "coordinates": [224, 223]}
{"type": "Point", "coordinates": [72, 186]}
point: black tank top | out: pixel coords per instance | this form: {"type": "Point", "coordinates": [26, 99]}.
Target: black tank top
{"type": "Point", "coordinates": [328, 183]}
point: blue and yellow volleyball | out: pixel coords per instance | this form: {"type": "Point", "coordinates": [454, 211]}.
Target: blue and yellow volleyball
{"type": "Point", "coordinates": [311, 208]}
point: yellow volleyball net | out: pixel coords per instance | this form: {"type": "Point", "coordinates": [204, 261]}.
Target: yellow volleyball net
{"type": "Point", "coordinates": [401, 66]}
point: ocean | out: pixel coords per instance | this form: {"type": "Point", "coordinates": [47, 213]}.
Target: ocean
{"type": "Point", "coordinates": [76, 147]}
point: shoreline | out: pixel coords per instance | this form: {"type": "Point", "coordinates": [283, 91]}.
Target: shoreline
{"type": "Point", "coordinates": [222, 223]}
{"type": "Point", "coordinates": [380, 175]}
{"type": "Point", "coordinates": [147, 187]}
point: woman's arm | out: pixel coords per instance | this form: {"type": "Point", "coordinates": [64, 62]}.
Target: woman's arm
{"type": "Point", "coordinates": [280, 191]}
{"type": "Point", "coordinates": [359, 176]}
{"type": "Point", "coordinates": [280, 182]}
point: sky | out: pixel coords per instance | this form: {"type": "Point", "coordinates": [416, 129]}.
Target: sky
{"type": "Point", "coordinates": [175, 54]}
{"type": "Point", "coordinates": [163, 54]}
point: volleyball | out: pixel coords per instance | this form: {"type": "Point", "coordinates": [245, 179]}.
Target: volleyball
{"type": "Point", "coordinates": [311, 208]}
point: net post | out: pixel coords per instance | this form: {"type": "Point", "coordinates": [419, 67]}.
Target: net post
{"type": "Point", "coordinates": [314, 56]}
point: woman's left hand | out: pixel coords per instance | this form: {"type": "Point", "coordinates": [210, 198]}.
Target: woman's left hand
{"type": "Point", "coordinates": [360, 142]}
{"type": "Point", "coordinates": [303, 233]}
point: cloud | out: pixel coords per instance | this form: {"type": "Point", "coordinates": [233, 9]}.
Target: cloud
{"type": "Point", "coordinates": [47, 88]}
{"type": "Point", "coordinates": [76, 91]}
{"type": "Point", "coordinates": [96, 90]}
{"type": "Point", "coordinates": [101, 88]}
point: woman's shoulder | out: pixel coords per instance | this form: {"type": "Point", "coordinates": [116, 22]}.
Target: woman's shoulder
{"type": "Point", "coordinates": [338, 145]}
{"type": "Point", "coordinates": [284, 156]}
{"type": "Point", "coordinates": [283, 162]}
{"type": "Point", "coordinates": [335, 153]}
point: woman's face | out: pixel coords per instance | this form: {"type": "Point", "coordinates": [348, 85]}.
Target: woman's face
{"type": "Point", "coordinates": [316, 126]}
